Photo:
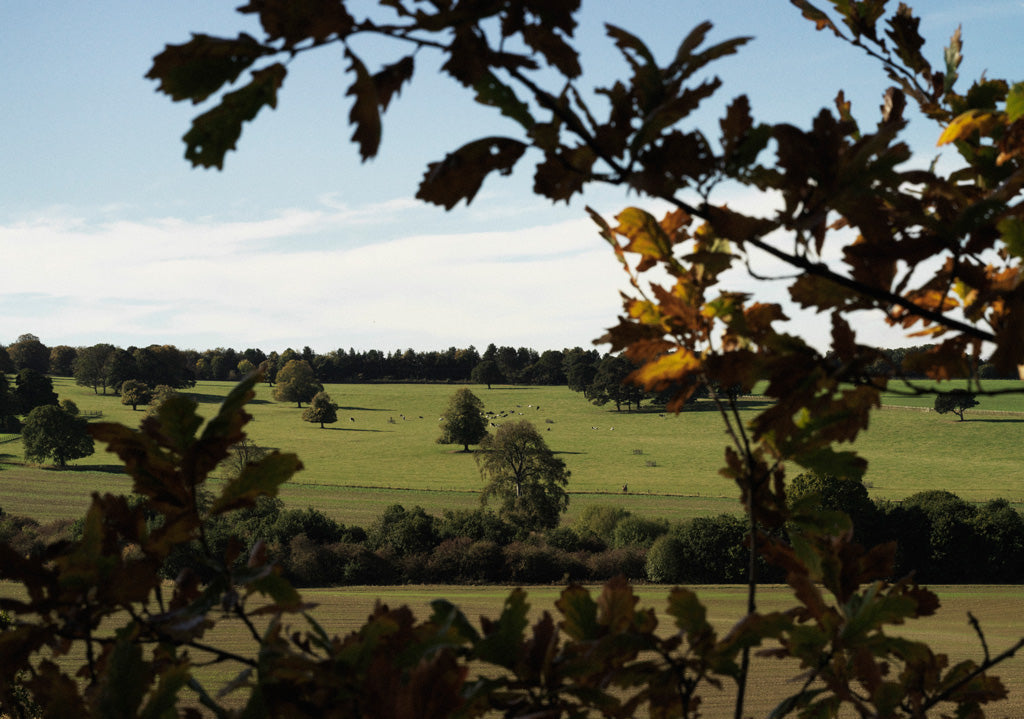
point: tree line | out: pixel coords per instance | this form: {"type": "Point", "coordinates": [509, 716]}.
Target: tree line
{"type": "Point", "coordinates": [105, 367]}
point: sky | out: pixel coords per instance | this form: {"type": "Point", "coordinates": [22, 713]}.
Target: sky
{"type": "Point", "coordinates": [107, 234]}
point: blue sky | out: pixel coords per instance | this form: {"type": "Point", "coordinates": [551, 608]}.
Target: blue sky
{"type": "Point", "coordinates": [107, 234]}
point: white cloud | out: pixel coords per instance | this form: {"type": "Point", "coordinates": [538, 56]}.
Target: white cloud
{"type": "Point", "coordinates": [243, 282]}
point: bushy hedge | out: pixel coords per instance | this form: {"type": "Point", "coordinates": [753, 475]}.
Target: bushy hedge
{"type": "Point", "coordinates": [945, 538]}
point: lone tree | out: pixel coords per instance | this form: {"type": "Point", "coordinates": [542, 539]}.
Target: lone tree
{"type": "Point", "coordinates": [51, 432]}
{"type": "Point", "coordinates": [524, 475]}
{"type": "Point", "coordinates": [486, 372]}
{"type": "Point", "coordinates": [135, 392]}
{"type": "Point", "coordinates": [955, 401]}
{"type": "Point", "coordinates": [463, 422]}
{"type": "Point", "coordinates": [321, 409]}
{"type": "Point", "coordinates": [297, 383]}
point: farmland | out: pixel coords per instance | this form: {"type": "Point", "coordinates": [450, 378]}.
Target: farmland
{"type": "Point", "coordinates": [383, 451]}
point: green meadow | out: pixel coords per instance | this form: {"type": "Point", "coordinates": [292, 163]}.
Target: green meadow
{"type": "Point", "coordinates": [383, 451]}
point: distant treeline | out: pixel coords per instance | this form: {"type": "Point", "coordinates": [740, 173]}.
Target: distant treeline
{"type": "Point", "coordinates": [105, 367]}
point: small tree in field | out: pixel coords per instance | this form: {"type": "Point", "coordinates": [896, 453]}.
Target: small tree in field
{"type": "Point", "coordinates": [955, 401]}
{"type": "Point", "coordinates": [525, 475]}
{"type": "Point", "coordinates": [296, 383]}
{"type": "Point", "coordinates": [463, 422]}
{"type": "Point", "coordinates": [486, 372]}
{"type": "Point", "coordinates": [134, 393]}
{"type": "Point", "coordinates": [321, 409]}
{"type": "Point", "coordinates": [51, 432]}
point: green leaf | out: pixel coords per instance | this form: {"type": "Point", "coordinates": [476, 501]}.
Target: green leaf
{"type": "Point", "coordinates": [953, 57]}
{"type": "Point", "coordinates": [278, 588]}
{"type": "Point", "coordinates": [257, 479]}
{"type": "Point", "coordinates": [365, 112]}
{"type": "Point", "coordinates": [1012, 230]}
{"type": "Point", "coordinates": [579, 613]}
{"type": "Point", "coordinates": [819, 18]}
{"type": "Point", "coordinates": [231, 416]}
{"type": "Point", "coordinates": [179, 422]}
{"type": "Point", "coordinates": [163, 700]}
{"type": "Point", "coordinates": [125, 679]}
{"type": "Point", "coordinates": [691, 616]}
{"type": "Point", "coordinates": [494, 93]}
{"type": "Point", "coordinates": [449, 618]}
{"type": "Point", "coordinates": [461, 173]}
{"type": "Point", "coordinates": [203, 65]}
{"type": "Point", "coordinates": [790, 703]}
{"type": "Point", "coordinates": [826, 460]}
{"type": "Point", "coordinates": [867, 612]}
{"type": "Point", "coordinates": [1015, 102]}
{"type": "Point", "coordinates": [215, 132]}
{"type": "Point", "coordinates": [502, 639]}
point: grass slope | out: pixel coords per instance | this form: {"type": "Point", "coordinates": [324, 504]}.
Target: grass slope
{"type": "Point", "coordinates": [383, 451]}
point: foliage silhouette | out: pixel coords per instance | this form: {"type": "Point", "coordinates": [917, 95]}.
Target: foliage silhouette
{"type": "Point", "coordinates": [934, 251]}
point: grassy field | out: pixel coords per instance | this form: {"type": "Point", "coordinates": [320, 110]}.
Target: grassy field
{"type": "Point", "coordinates": [383, 451]}
{"type": "Point", "coordinates": [341, 610]}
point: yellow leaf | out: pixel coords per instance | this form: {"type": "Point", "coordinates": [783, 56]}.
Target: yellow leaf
{"type": "Point", "coordinates": [646, 236]}
{"type": "Point", "coordinates": [645, 312]}
{"type": "Point", "coordinates": [667, 368]}
{"type": "Point", "coordinates": [968, 122]}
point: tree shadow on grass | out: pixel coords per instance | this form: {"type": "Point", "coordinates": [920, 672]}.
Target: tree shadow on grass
{"type": "Point", "coordinates": [367, 409]}
{"type": "Point", "coordinates": [349, 429]}
{"type": "Point", "coordinates": [701, 405]}
{"type": "Point", "coordinates": [106, 468]}
{"type": "Point", "coordinates": [1003, 419]}
{"type": "Point", "coordinates": [216, 398]}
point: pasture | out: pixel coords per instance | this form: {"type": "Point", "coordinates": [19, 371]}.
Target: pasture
{"type": "Point", "coordinates": [383, 451]}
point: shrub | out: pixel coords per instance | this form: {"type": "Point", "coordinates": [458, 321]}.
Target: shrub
{"type": "Point", "coordinates": [359, 565]}
{"type": "Point", "coordinates": [564, 538]}
{"type": "Point", "coordinates": [713, 549]}
{"type": "Point", "coordinates": [311, 564]}
{"type": "Point", "coordinates": [312, 522]}
{"type": "Point", "coordinates": [402, 532]}
{"type": "Point", "coordinates": [628, 562]}
{"type": "Point", "coordinates": [634, 531]}
{"type": "Point", "coordinates": [599, 519]}
{"type": "Point", "coordinates": [412, 568]}
{"type": "Point", "coordinates": [462, 559]}
{"type": "Point", "coordinates": [477, 524]}
{"type": "Point", "coordinates": [532, 564]}
{"type": "Point", "coordinates": [664, 563]}
{"type": "Point", "coordinates": [1000, 529]}
{"type": "Point", "coordinates": [954, 551]}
